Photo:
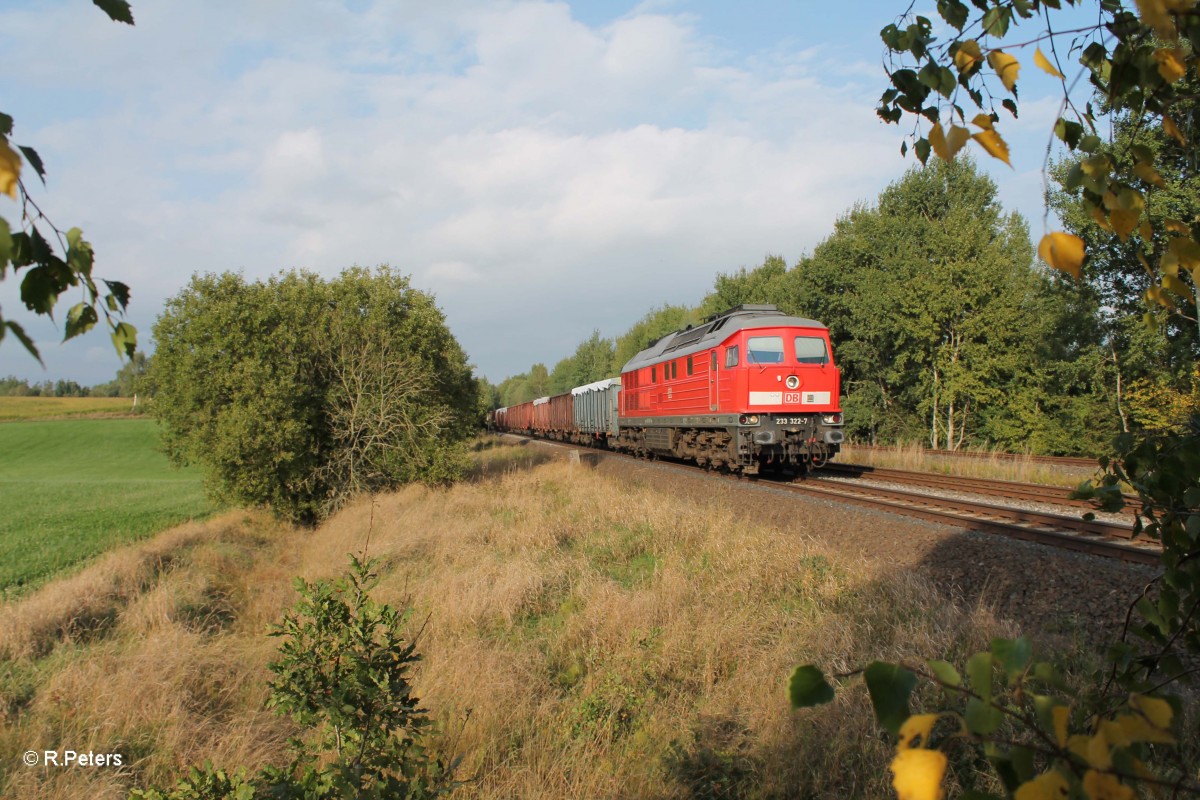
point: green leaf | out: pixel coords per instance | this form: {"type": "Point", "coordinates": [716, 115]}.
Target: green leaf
{"type": "Point", "coordinates": [1012, 654]}
{"type": "Point", "coordinates": [808, 687]}
{"type": "Point", "coordinates": [6, 245]}
{"type": "Point", "coordinates": [979, 671]}
{"type": "Point", "coordinates": [982, 718]}
{"type": "Point", "coordinates": [19, 332]}
{"type": "Point", "coordinates": [945, 672]}
{"type": "Point", "coordinates": [80, 256]}
{"type": "Point", "coordinates": [954, 12]}
{"type": "Point", "coordinates": [995, 21]}
{"type": "Point", "coordinates": [117, 10]}
{"type": "Point", "coordinates": [890, 686]}
{"type": "Point", "coordinates": [35, 161]}
{"type": "Point", "coordinates": [80, 319]}
{"type": "Point", "coordinates": [922, 149]}
{"type": "Point", "coordinates": [124, 338]}
{"type": "Point", "coordinates": [120, 293]}
{"type": "Point", "coordinates": [39, 290]}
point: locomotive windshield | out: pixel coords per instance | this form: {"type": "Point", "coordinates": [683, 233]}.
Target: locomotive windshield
{"type": "Point", "coordinates": [764, 350]}
{"type": "Point", "coordinates": [811, 350]}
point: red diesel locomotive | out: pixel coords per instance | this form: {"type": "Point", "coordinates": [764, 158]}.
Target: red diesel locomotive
{"type": "Point", "coordinates": [748, 390]}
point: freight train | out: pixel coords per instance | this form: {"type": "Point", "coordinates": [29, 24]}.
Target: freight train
{"type": "Point", "coordinates": [749, 390]}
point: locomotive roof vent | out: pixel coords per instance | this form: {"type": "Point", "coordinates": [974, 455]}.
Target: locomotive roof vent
{"type": "Point", "coordinates": [746, 308]}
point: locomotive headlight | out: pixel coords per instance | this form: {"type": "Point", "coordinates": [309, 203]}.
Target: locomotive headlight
{"type": "Point", "coordinates": [748, 419]}
{"type": "Point", "coordinates": [792, 381]}
{"type": "Point", "coordinates": [832, 419]}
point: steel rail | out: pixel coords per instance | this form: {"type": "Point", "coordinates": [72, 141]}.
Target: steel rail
{"type": "Point", "coordinates": [1062, 461]}
{"type": "Point", "coordinates": [1069, 533]}
{"type": "Point", "coordinates": [1013, 490]}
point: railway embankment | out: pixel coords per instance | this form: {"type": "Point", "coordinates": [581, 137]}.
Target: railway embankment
{"type": "Point", "coordinates": [590, 630]}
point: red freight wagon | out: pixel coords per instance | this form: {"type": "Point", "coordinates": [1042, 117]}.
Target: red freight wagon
{"type": "Point", "coordinates": [520, 417]}
{"type": "Point", "coordinates": [541, 415]}
{"type": "Point", "coordinates": [561, 416]}
{"type": "Point", "coordinates": [749, 388]}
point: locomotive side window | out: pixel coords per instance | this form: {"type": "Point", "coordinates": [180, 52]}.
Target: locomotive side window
{"type": "Point", "coordinates": [714, 360]}
{"type": "Point", "coordinates": [689, 371]}
{"type": "Point", "coordinates": [731, 357]}
{"type": "Point", "coordinates": [674, 371]}
{"type": "Point", "coordinates": [764, 350]}
{"type": "Point", "coordinates": [654, 374]}
{"type": "Point", "coordinates": [811, 350]}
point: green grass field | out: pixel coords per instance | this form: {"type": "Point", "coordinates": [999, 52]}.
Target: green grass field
{"type": "Point", "coordinates": [73, 488]}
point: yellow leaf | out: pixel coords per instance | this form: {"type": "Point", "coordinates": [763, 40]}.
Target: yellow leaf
{"type": "Point", "coordinates": [1187, 253]}
{"type": "Point", "coordinates": [1170, 63]}
{"type": "Point", "coordinates": [1156, 295]}
{"type": "Point", "coordinates": [1061, 715]}
{"type": "Point", "coordinates": [1102, 786]}
{"type": "Point", "coordinates": [967, 55]}
{"type": "Point", "coordinates": [947, 145]}
{"type": "Point", "coordinates": [10, 169]}
{"type": "Point", "coordinates": [1100, 217]}
{"type": "Point", "coordinates": [1173, 130]}
{"type": "Point", "coordinates": [1062, 251]}
{"type": "Point", "coordinates": [1047, 786]}
{"type": "Point", "coordinates": [1154, 14]}
{"type": "Point", "coordinates": [983, 120]}
{"type": "Point", "coordinates": [1175, 226]}
{"type": "Point", "coordinates": [1177, 286]}
{"type": "Point", "coordinates": [1146, 230]}
{"type": "Point", "coordinates": [917, 774]}
{"type": "Point", "coordinates": [1123, 222]}
{"type": "Point", "coordinates": [1157, 711]}
{"type": "Point", "coordinates": [1044, 63]}
{"type": "Point", "coordinates": [1099, 756]}
{"type": "Point", "coordinates": [1006, 67]}
{"type": "Point", "coordinates": [1196, 276]}
{"type": "Point", "coordinates": [916, 725]}
{"type": "Point", "coordinates": [993, 144]}
{"type": "Point", "coordinates": [1110, 200]}
{"type": "Point", "coordinates": [1146, 171]}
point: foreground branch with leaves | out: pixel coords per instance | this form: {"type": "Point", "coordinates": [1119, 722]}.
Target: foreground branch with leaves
{"type": "Point", "coordinates": [47, 273]}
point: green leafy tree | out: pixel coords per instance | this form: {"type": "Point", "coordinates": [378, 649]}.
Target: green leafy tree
{"type": "Point", "coordinates": [925, 295]}
{"type": "Point", "coordinates": [650, 328]}
{"type": "Point", "coordinates": [296, 392]}
{"type": "Point", "coordinates": [758, 285]}
{"type": "Point", "coordinates": [30, 248]}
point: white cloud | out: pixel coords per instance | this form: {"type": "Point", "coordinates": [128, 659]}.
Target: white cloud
{"type": "Point", "coordinates": [542, 176]}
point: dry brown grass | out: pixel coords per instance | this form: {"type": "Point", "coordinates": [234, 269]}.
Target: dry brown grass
{"type": "Point", "coordinates": [914, 457]}
{"type": "Point", "coordinates": [606, 640]}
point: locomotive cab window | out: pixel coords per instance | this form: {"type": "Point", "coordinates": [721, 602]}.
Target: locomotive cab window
{"type": "Point", "coordinates": [689, 370]}
{"type": "Point", "coordinates": [764, 350]}
{"type": "Point", "coordinates": [731, 357]}
{"type": "Point", "coordinates": [811, 350]}
{"type": "Point", "coordinates": [714, 361]}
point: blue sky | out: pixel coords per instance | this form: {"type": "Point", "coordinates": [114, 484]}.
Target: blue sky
{"type": "Point", "coordinates": [545, 169]}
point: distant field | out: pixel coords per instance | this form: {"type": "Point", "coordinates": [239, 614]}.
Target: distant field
{"type": "Point", "coordinates": [73, 488]}
{"type": "Point", "coordinates": [14, 408]}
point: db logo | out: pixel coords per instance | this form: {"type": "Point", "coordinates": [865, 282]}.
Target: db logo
{"type": "Point", "coordinates": [791, 397]}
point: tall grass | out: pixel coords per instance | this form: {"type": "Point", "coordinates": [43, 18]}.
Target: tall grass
{"type": "Point", "coordinates": [913, 456]}
{"type": "Point", "coordinates": [600, 639]}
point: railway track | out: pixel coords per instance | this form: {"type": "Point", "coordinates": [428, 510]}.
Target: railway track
{"type": "Point", "coordinates": [1062, 461]}
{"type": "Point", "coordinates": [1007, 490]}
{"type": "Point", "coordinates": [1074, 533]}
